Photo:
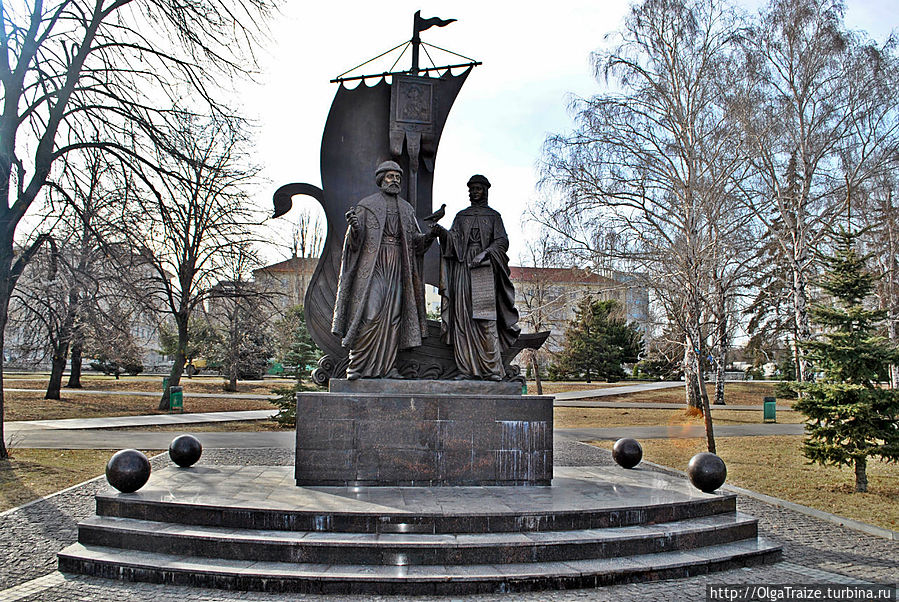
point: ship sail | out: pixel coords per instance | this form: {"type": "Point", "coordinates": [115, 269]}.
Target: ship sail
{"type": "Point", "coordinates": [399, 117]}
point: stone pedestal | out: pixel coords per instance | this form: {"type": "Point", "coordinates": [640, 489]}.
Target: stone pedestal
{"type": "Point", "coordinates": [423, 433]}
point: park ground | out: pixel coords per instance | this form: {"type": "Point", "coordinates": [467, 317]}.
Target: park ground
{"type": "Point", "coordinates": [772, 465]}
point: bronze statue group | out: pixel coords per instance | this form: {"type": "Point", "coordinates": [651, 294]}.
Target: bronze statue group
{"type": "Point", "coordinates": [380, 304]}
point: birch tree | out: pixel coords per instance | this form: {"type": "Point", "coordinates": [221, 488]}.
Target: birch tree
{"type": "Point", "coordinates": [650, 161]}
{"type": "Point", "coordinates": [794, 107]}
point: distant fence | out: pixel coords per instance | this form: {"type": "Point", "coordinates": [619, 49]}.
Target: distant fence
{"type": "Point", "coordinates": [734, 375]}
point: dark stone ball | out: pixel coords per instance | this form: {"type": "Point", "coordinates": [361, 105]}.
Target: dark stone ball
{"type": "Point", "coordinates": [706, 471]}
{"type": "Point", "coordinates": [185, 450]}
{"type": "Point", "coordinates": [627, 453]}
{"type": "Point", "coordinates": [128, 470]}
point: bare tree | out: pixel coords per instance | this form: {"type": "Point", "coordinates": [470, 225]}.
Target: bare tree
{"type": "Point", "coordinates": [102, 73]}
{"type": "Point", "coordinates": [240, 309]}
{"type": "Point", "coordinates": [108, 335]}
{"type": "Point", "coordinates": [797, 108]}
{"type": "Point", "coordinates": [308, 236]}
{"type": "Point", "coordinates": [880, 215]}
{"type": "Point", "coordinates": [651, 161]}
{"type": "Point", "coordinates": [188, 224]}
{"type": "Point", "coordinates": [83, 199]}
{"type": "Point", "coordinates": [541, 302]}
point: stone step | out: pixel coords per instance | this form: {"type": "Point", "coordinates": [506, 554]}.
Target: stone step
{"type": "Point", "coordinates": [179, 569]}
{"type": "Point", "coordinates": [414, 548]}
{"type": "Point", "coordinates": [384, 518]}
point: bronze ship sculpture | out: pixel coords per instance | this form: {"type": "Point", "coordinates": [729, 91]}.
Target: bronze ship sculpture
{"type": "Point", "coordinates": [399, 120]}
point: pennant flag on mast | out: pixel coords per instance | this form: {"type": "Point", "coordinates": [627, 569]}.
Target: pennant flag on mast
{"type": "Point", "coordinates": [423, 24]}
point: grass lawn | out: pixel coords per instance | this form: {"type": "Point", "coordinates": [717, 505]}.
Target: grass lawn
{"type": "Point", "coordinates": [101, 382]}
{"type": "Point", "coordinates": [776, 466]}
{"type": "Point", "coordinates": [33, 473]}
{"type": "Point", "coordinates": [33, 406]}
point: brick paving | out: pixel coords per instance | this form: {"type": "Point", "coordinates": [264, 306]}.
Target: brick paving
{"type": "Point", "coordinates": [815, 551]}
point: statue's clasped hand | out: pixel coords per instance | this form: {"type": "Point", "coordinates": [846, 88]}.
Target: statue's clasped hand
{"type": "Point", "coordinates": [478, 259]}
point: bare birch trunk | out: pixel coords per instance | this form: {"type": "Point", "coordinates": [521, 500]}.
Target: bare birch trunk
{"type": "Point", "coordinates": [720, 343]}
{"type": "Point", "coordinates": [891, 301]}
{"type": "Point", "coordinates": [707, 415]}
{"type": "Point", "coordinates": [6, 256]}
{"type": "Point", "coordinates": [803, 329]}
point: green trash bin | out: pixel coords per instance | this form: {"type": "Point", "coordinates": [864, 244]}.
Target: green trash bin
{"type": "Point", "coordinates": [176, 399]}
{"type": "Point", "coordinates": [770, 410]}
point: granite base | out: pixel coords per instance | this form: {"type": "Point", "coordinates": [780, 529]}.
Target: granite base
{"type": "Point", "coordinates": [423, 439]}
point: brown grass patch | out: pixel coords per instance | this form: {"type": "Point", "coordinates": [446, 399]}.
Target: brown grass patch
{"type": "Point", "coordinates": [566, 417]}
{"type": "Point", "coordinates": [101, 382]}
{"type": "Point", "coordinates": [33, 406]}
{"type": "Point", "coordinates": [775, 466]}
{"type": "Point", "coordinates": [33, 473]}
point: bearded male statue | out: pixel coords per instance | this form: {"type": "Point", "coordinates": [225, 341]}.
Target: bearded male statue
{"type": "Point", "coordinates": [380, 304]}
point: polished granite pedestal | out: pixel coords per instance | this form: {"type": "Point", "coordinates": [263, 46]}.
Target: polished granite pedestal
{"type": "Point", "coordinates": [423, 433]}
{"type": "Point", "coordinates": [251, 528]}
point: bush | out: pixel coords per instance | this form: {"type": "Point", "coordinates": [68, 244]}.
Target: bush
{"type": "Point", "coordinates": [287, 405]}
{"type": "Point", "coordinates": [132, 368]}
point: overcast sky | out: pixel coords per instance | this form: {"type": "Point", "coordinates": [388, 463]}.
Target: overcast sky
{"type": "Point", "coordinates": [534, 60]}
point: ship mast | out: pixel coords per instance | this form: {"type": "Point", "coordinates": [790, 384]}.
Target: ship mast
{"type": "Point", "coordinates": [419, 24]}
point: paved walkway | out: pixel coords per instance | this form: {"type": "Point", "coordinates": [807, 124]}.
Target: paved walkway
{"type": "Point", "coordinates": [678, 431]}
{"type": "Point", "coordinates": [111, 439]}
{"type": "Point", "coordinates": [567, 396]}
{"type": "Point", "coordinates": [106, 439]}
{"type": "Point", "coordinates": [142, 420]}
{"type": "Point", "coordinates": [816, 551]}
{"type": "Point", "coordinates": [221, 395]}
{"type": "Point", "coordinates": [637, 405]}
{"type": "Point", "coordinates": [622, 390]}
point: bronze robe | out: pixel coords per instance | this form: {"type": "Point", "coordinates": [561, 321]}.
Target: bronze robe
{"type": "Point", "coordinates": [380, 305]}
{"type": "Point", "coordinates": [477, 343]}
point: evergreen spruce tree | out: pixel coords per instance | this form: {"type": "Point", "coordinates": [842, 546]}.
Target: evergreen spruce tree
{"type": "Point", "coordinates": [597, 342]}
{"type": "Point", "coordinates": [849, 416]}
{"type": "Point", "coordinates": [297, 352]}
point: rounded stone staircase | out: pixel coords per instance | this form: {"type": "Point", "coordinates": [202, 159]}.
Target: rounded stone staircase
{"type": "Point", "coordinates": [250, 528]}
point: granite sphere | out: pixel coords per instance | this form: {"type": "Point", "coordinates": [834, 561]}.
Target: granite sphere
{"type": "Point", "coordinates": [627, 452]}
{"type": "Point", "coordinates": [128, 470]}
{"type": "Point", "coordinates": [706, 471]}
{"type": "Point", "coordinates": [185, 450]}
